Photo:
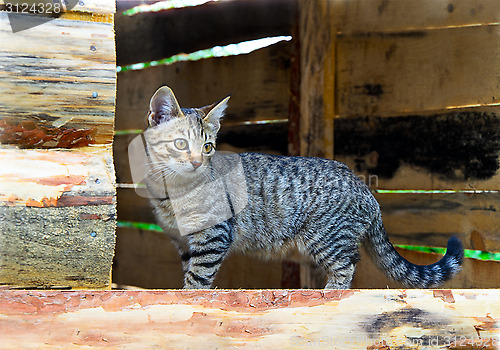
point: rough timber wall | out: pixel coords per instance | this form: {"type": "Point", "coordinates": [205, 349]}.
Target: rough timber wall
{"type": "Point", "coordinates": [57, 193]}
{"type": "Point", "coordinates": [406, 93]}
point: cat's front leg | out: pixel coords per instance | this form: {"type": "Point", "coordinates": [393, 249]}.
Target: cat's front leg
{"type": "Point", "coordinates": [207, 250]}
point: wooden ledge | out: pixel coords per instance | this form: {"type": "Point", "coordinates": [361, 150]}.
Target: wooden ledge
{"type": "Point", "coordinates": [179, 319]}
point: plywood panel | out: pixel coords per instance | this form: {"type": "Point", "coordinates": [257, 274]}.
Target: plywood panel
{"type": "Point", "coordinates": [59, 76]}
{"type": "Point", "coordinates": [413, 72]}
{"type": "Point", "coordinates": [401, 15]}
{"type": "Point", "coordinates": [264, 319]}
{"type": "Point", "coordinates": [257, 82]}
{"type": "Point", "coordinates": [450, 150]}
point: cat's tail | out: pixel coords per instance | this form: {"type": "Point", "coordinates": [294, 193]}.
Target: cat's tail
{"type": "Point", "coordinates": [407, 273]}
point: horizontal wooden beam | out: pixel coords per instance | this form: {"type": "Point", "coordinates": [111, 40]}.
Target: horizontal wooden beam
{"type": "Point", "coordinates": [295, 319]}
{"type": "Point", "coordinates": [59, 79]}
{"type": "Point", "coordinates": [414, 72]}
{"type": "Point", "coordinates": [403, 15]}
{"type": "Point", "coordinates": [201, 27]}
{"type": "Point", "coordinates": [449, 150]}
{"type": "Point", "coordinates": [57, 217]}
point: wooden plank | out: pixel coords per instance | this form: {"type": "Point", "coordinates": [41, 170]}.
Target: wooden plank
{"type": "Point", "coordinates": [148, 259]}
{"type": "Point", "coordinates": [258, 91]}
{"type": "Point", "coordinates": [445, 151]}
{"type": "Point", "coordinates": [57, 217]}
{"type": "Point", "coordinates": [412, 72]}
{"type": "Point", "coordinates": [294, 319]}
{"type": "Point", "coordinates": [201, 27]}
{"type": "Point", "coordinates": [48, 178]}
{"type": "Point", "coordinates": [63, 247]}
{"type": "Point", "coordinates": [317, 105]}
{"type": "Point", "coordinates": [474, 274]}
{"type": "Point", "coordinates": [431, 219]}
{"type": "Point", "coordinates": [401, 15]}
{"type": "Point", "coordinates": [61, 78]}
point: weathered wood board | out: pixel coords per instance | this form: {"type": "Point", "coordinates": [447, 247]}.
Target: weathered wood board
{"type": "Point", "coordinates": [355, 16]}
{"type": "Point", "coordinates": [430, 70]}
{"type": "Point", "coordinates": [291, 319]}
{"type": "Point", "coordinates": [457, 150]}
{"type": "Point", "coordinates": [57, 217]}
{"type": "Point", "coordinates": [431, 219]}
{"type": "Point", "coordinates": [57, 182]}
{"type": "Point", "coordinates": [259, 91]}
{"type": "Point", "coordinates": [475, 273]}
{"type": "Point", "coordinates": [317, 79]}
{"type": "Point", "coordinates": [147, 37]}
{"type": "Point", "coordinates": [160, 264]}
{"type": "Point", "coordinates": [60, 75]}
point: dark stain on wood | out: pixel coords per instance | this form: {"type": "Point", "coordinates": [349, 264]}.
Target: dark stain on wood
{"type": "Point", "coordinates": [374, 90]}
{"type": "Point", "coordinates": [385, 322]}
{"type": "Point", "coordinates": [268, 138]}
{"type": "Point", "coordinates": [456, 146]}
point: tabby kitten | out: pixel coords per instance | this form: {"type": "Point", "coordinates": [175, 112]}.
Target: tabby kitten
{"type": "Point", "coordinates": [315, 206]}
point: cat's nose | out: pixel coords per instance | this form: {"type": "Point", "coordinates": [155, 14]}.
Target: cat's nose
{"type": "Point", "coordinates": [196, 164]}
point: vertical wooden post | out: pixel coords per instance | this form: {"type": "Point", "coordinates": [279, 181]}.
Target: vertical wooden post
{"type": "Point", "coordinates": [317, 105]}
{"type": "Point", "coordinates": [317, 91]}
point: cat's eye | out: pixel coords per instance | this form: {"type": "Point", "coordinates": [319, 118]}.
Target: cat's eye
{"type": "Point", "coordinates": [208, 147]}
{"type": "Point", "coordinates": [181, 144]}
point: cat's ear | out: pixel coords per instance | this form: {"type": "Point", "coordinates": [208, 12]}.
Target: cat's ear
{"type": "Point", "coordinates": [214, 113]}
{"type": "Point", "coordinates": [163, 107]}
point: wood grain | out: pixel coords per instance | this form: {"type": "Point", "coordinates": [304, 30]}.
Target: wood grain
{"type": "Point", "coordinates": [259, 91]}
{"type": "Point", "coordinates": [57, 217]}
{"type": "Point", "coordinates": [414, 72]}
{"type": "Point", "coordinates": [48, 178]}
{"type": "Point", "coordinates": [62, 247]}
{"type": "Point", "coordinates": [294, 319]}
{"type": "Point", "coordinates": [59, 74]}
{"type": "Point", "coordinates": [318, 72]}
{"type": "Point", "coordinates": [401, 15]}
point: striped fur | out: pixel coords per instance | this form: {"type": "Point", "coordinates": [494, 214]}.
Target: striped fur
{"type": "Point", "coordinates": [315, 206]}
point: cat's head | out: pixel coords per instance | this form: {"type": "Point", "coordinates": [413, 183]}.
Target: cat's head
{"type": "Point", "coordinates": [181, 141]}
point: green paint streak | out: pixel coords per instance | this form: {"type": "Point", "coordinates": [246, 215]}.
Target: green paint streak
{"type": "Point", "coordinates": [139, 225]}
{"type": "Point", "coordinates": [128, 132]}
{"type": "Point", "coordinates": [473, 254]}
{"type": "Point", "coordinates": [433, 191]}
